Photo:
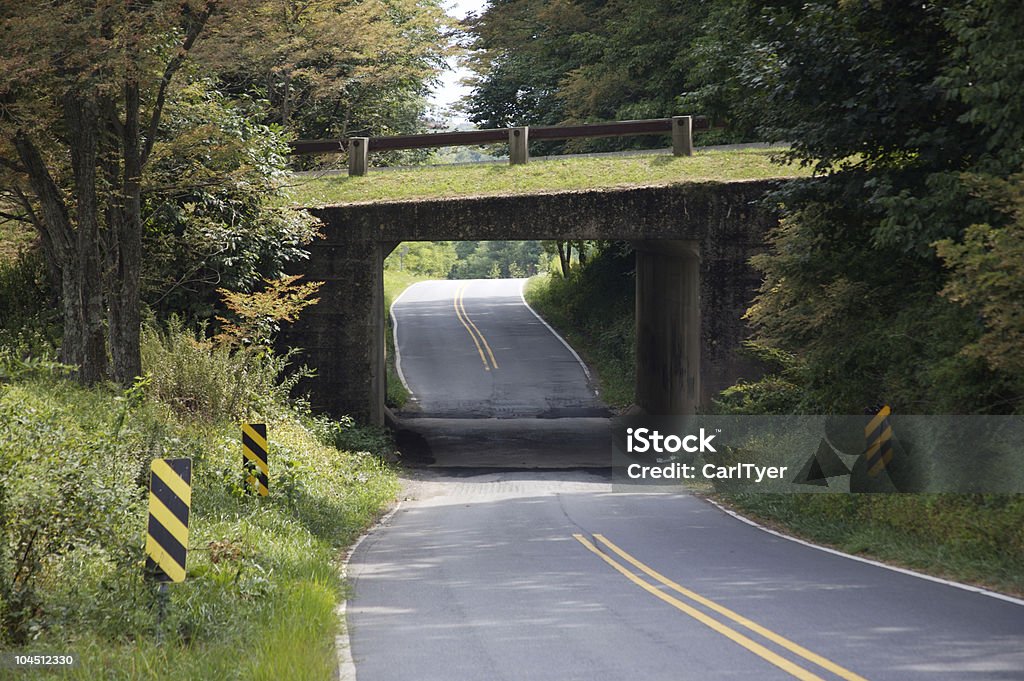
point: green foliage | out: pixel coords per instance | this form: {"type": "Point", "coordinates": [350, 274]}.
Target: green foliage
{"type": "Point", "coordinates": [262, 577]}
{"type": "Point", "coordinates": [497, 259]}
{"type": "Point", "coordinates": [853, 259]}
{"type": "Point", "coordinates": [257, 317]}
{"type": "Point", "coordinates": [207, 382]}
{"type": "Point", "coordinates": [988, 275]}
{"type": "Point", "coordinates": [780, 391]}
{"type": "Point", "coordinates": [210, 213]}
{"type": "Point", "coordinates": [423, 258]}
{"type": "Point", "coordinates": [330, 68]}
{"type": "Point", "coordinates": [573, 60]}
{"type": "Point", "coordinates": [26, 323]}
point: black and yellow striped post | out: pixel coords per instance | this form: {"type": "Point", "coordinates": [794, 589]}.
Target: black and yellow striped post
{"type": "Point", "coordinates": [878, 434]}
{"type": "Point", "coordinates": [254, 457]}
{"type": "Point", "coordinates": [170, 498]}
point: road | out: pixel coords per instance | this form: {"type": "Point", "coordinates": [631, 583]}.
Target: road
{"type": "Point", "coordinates": [490, 573]}
{"type": "Point", "coordinates": [492, 385]}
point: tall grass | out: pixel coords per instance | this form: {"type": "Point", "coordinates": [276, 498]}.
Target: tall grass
{"type": "Point", "coordinates": [263, 584]}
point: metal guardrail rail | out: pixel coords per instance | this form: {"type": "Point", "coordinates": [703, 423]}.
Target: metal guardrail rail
{"type": "Point", "coordinates": [680, 127]}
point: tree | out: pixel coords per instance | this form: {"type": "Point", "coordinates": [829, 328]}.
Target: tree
{"type": "Point", "coordinates": [425, 258]}
{"type": "Point", "coordinates": [84, 86]}
{"type": "Point", "coordinates": [495, 259]}
{"type": "Point", "coordinates": [211, 204]}
{"type": "Point", "coordinates": [898, 107]}
{"type": "Point", "coordinates": [988, 275]}
{"type": "Point", "coordinates": [582, 60]}
{"type": "Point", "coordinates": [332, 68]}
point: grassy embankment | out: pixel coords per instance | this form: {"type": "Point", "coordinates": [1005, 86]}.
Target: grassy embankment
{"type": "Point", "coordinates": [973, 538]}
{"type": "Point", "coordinates": [540, 176]}
{"type": "Point", "coordinates": [394, 283]}
{"type": "Point", "coordinates": [263, 583]}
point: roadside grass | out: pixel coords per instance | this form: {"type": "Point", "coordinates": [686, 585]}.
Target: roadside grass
{"type": "Point", "coordinates": [263, 583]}
{"type": "Point", "coordinates": [540, 175]}
{"type": "Point", "coordinates": [394, 283]}
{"type": "Point", "coordinates": [978, 539]}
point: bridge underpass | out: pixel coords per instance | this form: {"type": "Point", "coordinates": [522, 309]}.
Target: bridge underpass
{"type": "Point", "coordinates": [694, 281]}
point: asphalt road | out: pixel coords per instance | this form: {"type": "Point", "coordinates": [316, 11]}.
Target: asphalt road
{"type": "Point", "coordinates": [492, 386]}
{"type": "Point", "coordinates": [473, 349]}
{"type": "Point", "coordinates": [486, 573]}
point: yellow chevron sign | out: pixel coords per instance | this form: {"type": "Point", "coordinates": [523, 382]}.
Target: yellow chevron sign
{"type": "Point", "coordinates": [878, 434]}
{"type": "Point", "coordinates": [170, 498]}
{"type": "Point", "coordinates": [254, 457]}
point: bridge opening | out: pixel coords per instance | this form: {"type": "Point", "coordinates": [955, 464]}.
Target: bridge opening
{"type": "Point", "coordinates": [464, 343]}
{"type": "Point", "coordinates": [693, 285]}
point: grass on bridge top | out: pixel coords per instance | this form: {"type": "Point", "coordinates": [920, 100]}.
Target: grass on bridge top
{"type": "Point", "coordinates": [561, 174]}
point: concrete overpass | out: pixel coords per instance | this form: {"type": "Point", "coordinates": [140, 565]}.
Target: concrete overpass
{"type": "Point", "coordinates": [693, 280]}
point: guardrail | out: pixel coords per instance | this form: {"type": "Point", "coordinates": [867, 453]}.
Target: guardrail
{"type": "Point", "coordinates": [680, 127]}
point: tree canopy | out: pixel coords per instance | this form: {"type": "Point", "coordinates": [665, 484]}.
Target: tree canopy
{"type": "Point", "coordinates": [145, 142]}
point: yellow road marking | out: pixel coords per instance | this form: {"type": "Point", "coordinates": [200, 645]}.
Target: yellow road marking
{"type": "Point", "coordinates": [733, 635]}
{"type": "Point", "coordinates": [483, 339]}
{"type": "Point", "coordinates": [822, 662]}
{"type": "Point", "coordinates": [468, 324]}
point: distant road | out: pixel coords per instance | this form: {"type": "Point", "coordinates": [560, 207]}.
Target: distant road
{"type": "Point", "coordinates": [473, 349]}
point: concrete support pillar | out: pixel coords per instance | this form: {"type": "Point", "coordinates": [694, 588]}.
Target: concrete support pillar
{"type": "Point", "coordinates": [682, 135]}
{"type": "Point", "coordinates": [668, 327]}
{"type": "Point", "coordinates": [358, 155]}
{"type": "Point", "coordinates": [342, 337]}
{"type": "Point", "coordinates": [518, 145]}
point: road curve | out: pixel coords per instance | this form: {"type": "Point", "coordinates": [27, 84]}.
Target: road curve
{"type": "Point", "coordinates": [484, 577]}
{"type": "Point", "coordinates": [474, 349]}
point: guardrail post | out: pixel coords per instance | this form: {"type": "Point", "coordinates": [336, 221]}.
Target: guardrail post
{"type": "Point", "coordinates": [358, 155]}
{"type": "Point", "coordinates": [682, 135]}
{"type": "Point", "coordinates": [518, 145]}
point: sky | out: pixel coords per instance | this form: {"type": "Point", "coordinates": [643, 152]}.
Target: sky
{"type": "Point", "coordinates": [448, 91]}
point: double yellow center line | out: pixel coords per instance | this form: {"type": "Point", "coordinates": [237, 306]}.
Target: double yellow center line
{"type": "Point", "coordinates": [753, 646]}
{"type": "Point", "coordinates": [478, 338]}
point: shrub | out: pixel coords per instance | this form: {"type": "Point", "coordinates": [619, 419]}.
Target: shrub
{"type": "Point", "coordinates": [206, 382]}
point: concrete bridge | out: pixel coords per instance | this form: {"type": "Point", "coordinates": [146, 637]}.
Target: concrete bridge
{"type": "Point", "coordinates": [693, 280]}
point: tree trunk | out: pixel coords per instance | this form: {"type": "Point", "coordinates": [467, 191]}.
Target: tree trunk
{"type": "Point", "coordinates": [74, 251]}
{"type": "Point", "coordinates": [125, 257]}
{"type": "Point", "coordinates": [563, 256]}
{"type": "Point", "coordinates": [82, 115]}
{"type": "Point", "coordinates": [581, 252]}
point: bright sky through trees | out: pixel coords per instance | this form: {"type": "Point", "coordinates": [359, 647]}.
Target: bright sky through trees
{"type": "Point", "coordinates": [450, 89]}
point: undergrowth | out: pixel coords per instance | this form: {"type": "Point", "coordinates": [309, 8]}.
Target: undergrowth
{"type": "Point", "coordinates": [263, 584]}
